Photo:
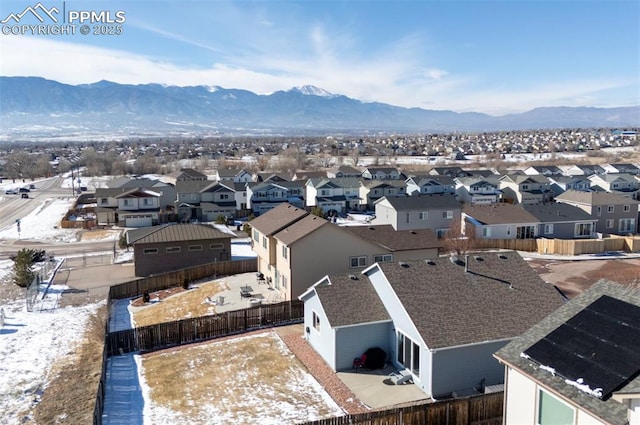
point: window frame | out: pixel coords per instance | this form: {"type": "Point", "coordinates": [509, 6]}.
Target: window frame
{"type": "Point", "coordinates": [561, 402]}
{"type": "Point", "coordinates": [149, 251]}
{"type": "Point", "coordinates": [383, 258]}
{"type": "Point", "coordinates": [315, 321]}
{"type": "Point", "coordinates": [423, 215]}
{"type": "Point", "coordinates": [193, 248]}
{"type": "Point", "coordinates": [359, 259]}
{"type": "Point", "coordinates": [172, 249]}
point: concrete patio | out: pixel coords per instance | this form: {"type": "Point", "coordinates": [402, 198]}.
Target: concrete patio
{"type": "Point", "coordinates": [231, 298]}
{"type": "Point", "coordinates": [374, 388]}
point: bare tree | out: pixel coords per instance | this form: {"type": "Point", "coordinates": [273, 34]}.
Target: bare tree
{"type": "Point", "coordinates": [456, 241]}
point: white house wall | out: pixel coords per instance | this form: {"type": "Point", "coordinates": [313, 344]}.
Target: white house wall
{"type": "Point", "coordinates": [353, 341]}
{"type": "Point", "coordinates": [465, 367]}
{"type": "Point", "coordinates": [323, 341]}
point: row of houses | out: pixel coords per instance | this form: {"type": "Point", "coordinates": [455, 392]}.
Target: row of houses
{"type": "Point", "coordinates": [138, 202]}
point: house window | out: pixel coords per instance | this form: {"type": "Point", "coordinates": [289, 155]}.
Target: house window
{"type": "Point", "coordinates": [146, 201]}
{"type": "Point", "coordinates": [150, 251]}
{"type": "Point", "coordinates": [195, 247]}
{"type": "Point", "coordinates": [609, 223]}
{"type": "Point", "coordinates": [224, 196]}
{"type": "Point", "coordinates": [508, 230]}
{"type": "Point", "coordinates": [383, 258]}
{"type": "Point", "coordinates": [486, 232]}
{"type": "Point", "coordinates": [128, 202]}
{"type": "Point", "coordinates": [284, 281]}
{"type": "Point", "coordinates": [441, 233]}
{"type": "Point", "coordinates": [610, 209]}
{"type": "Point", "coordinates": [525, 187]}
{"type": "Point", "coordinates": [424, 215]}
{"type": "Point", "coordinates": [447, 214]}
{"type": "Point", "coordinates": [599, 210]}
{"type": "Point", "coordinates": [316, 321]}
{"type": "Point", "coordinates": [583, 229]}
{"type": "Point", "coordinates": [553, 411]}
{"type": "Point", "coordinates": [104, 201]}
{"type": "Point", "coordinates": [408, 215]}
{"type": "Point", "coordinates": [216, 246]}
{"type": "Point", "coordinates": [172, 249]}
{"type": "Point", "coordinates": [256, 235]}
{"type": "Point", "coordinates": [626, 208]}
{"type": "Point", "coordinates": [408, 353]}
{"type": "Point", "coordinates": [548, 229]}
{"type": "Point", "coordinates": [285, 252]}
{"type": "Point", "coordinates": [264, 242]}
{"type": "Point", "coordinates": [627, 225]}
{"type": "Point", "coordinates": [357, 262]}
{"type": "Point", "coordinates": [525, 232]}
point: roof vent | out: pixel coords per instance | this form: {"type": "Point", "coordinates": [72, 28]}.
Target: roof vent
{"type": "Point", "coordinates": [479, 258]}
{"type": "Point", "coordinates": [456, 260]}
{"type": "Point", "coordinates": [413, 232]}
{"type": "Point", "coordinates": [502, 256]}
{"type": "Point", "coordinates": [353, 277]}
{"type": "Point", "coordinates": [403, 264]}
{"type": "Point", "coordinates": [431, 262]}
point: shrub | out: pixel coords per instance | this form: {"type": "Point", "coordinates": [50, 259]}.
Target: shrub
{"type": "Point", "coordinates": [23, 266]}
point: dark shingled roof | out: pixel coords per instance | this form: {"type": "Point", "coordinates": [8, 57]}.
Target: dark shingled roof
{"type": "Point", "coordinates": [499, 213]}
{"type": "Point", "coordinates": [176, 233]}
{"type": "Point", "coordinates": [277, 218]}
{"type": "Point", "coordinates": [396, 240]}
{"type": "Point", "coordinates": [557, 212]}
{"type": "Point", "coordinates": [610, 410]}
{"type": "Point", "coordinates": [499, 298]}
{"type": "Point", "coordinates": [350, 302]}
{"type": "Point", "coordinates": [300, 229]}
{"type": "Point", "coordinates": [594, 198]}
{"type": "Point", "coordinates": [423, 202]}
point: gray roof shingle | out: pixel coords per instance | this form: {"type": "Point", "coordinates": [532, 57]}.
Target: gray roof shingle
{"type": "Point", "coordinates": [595, 198]}
{"type": "Point", "coordinates": [277, 218]}
{"type": "Point", "coordinates": [499, 297]}
{"type": "Point", "coordinates": [300, 229]}
{"type": "Point", "coordinates": [499, 214]}
{"type": "Point", "coordinates": [396, 240]}
{"type": "Point", "coordinates": [176, 233]}
{"type": "Point", "coordinates": [423, 202]}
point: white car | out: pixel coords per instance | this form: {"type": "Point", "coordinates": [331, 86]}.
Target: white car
{"type": "Point", "coordinates": [10, 192]}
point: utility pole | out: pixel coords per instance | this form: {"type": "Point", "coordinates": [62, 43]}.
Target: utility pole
{"type": "Point", "coordinates": [73, 190]}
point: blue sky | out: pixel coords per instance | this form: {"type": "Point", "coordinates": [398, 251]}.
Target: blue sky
{"type": "Point", "coordinates": [495, 57]}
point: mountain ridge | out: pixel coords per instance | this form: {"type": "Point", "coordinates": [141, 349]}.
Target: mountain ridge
{"type": "Point", "coordinates": [107, 106]}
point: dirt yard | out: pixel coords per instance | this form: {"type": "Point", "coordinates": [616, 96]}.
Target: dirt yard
{"type": "Point", "coordinates": [573, 277]}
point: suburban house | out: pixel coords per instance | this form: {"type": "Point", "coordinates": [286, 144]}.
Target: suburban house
{"type": "Point", "coordinates": [170, 247]}
{"type": "Point", "coordinates": [615, 214]}
{"type": "Point", "coordinates": [295, 248]}
{"type": "Point", "coordinates": [382, 173]}
{"type": "Point", "coordinates": [439, 320]}
{"type": "Point", "coordinates": [167, 191]}
{"type": "Point", "coordinates": [372, 190]}
{"type": "Point", "coordinates": [427, 184]}
{"type": "Point", "coordinates": [579, 365]}
{"type": "Point", "coordinates": [452, 172]}
{"type": "Point", "coordinates": [562, 221]}
{"type": "Point", "coordinates": [188, 174]}
{"type": "Point", "coordinates": [624, 168]}
{"type": "Point", "coordinates": [308, 174]}
{"type": "Point", "coordinates": [263, 196]}
{"type": "Point", "coordinates": [621, 183]}
{"type": "Point", "coordinates": [232, 175]}
{"type": "Point", "coordinates": [542, 170]}
{"type": "Point", "coordinates": [133, 207]}
{"type": "Point", "coordinates": [434, 212]}
{"type": "Point", "coordinates": [499, 221]}
{"type": "Point", "coordinates": [584, 170]}
{"type": "Point", "coordinates": [270, 177]}
{"type": "Point", "coordinates": [561, 184]}
{"type": "Point", "coordinates": [524, 189]}
{"type": "Point", "coordinates": [478, 190]}
{"type": "Point", "coordinates": [346, 171]}
{"type": "Point", "coordinates": [340, 195]}
{"type": "Point", "coordinates": [204, 200]}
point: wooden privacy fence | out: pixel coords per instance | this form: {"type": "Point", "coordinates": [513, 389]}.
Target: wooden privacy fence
{"type": "Point", "coordinates": [529, 245]}
{"type": "Point", "coordinates": [175, 278]}
{"type": "Point", "coordinates": [186, 331]}
{"type": "Point", "coordinates": [563, 246]}
{"type": "Point", "coordinates": [478, 410]}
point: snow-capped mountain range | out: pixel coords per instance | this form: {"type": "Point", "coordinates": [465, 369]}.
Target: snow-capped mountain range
{"type": "Point", "coordinates": [36, 107]}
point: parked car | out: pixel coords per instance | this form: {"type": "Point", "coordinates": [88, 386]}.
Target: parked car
{"type": "Point", "coordinates": [24, 190]}
{"type": "Point", "coordinates": [24, 195]}
{"type": "Point", "coordinates": [32, 186]}
{"type": "Point", "coordinates": [10, 192]}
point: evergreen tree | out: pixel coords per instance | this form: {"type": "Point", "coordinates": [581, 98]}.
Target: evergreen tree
{"type": "Point", "coordinates": [23, 267]}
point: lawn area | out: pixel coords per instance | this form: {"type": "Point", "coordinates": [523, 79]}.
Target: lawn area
{"type": "Point", "coordinates": [245, 380]}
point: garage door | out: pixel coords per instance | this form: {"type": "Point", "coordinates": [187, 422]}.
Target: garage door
{"type": "Point", "coordinates": [138, 221]}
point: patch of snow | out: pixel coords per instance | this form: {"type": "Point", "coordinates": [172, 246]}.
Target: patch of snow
{"type": "Point", "coordinates": [579, 384]}
{"type": "Point", "coordinates": [42, 223]}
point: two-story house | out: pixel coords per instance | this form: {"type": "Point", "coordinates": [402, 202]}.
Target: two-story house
{"type": "Point", "coordinates": [621, 183]}
{"type": "Point", "coordinates": [381, 173]}
{"type": "Point", "coordinates": [204, 200]}
{"type": "Point", "coordinates": [167, 191]}
{"type": "Point", "coordinates": [295, 248]}
{"type": "Point", "coordinates": [524, 189]}
{"type": "Point", "coordinates": [137, 208]}
{"type": "Point", "coordinates": [614, 214]}
{"type": "Point", "coordinates": [428, 184]}
{"type": "Point", "coordinates": [339, 195]}
{"type": "Point", "coordinates": [562, 221]}
{"type": "Point", "coordinates": [561, 184]}
{"type": "Point", "coordinates": [543, 170]}
{"type": "Point", "coordinates": [372, 190]}
{"type": "Point", "coordinates": [232, 175]}
{"type": "Point", "coordinates": [624, 168]}
{"type": "Point", "coordinates": [478, 190]}
{"type": "Point", "coordinates": [346, 171]}
{"type": "Point", "coordinates": [452, 172]}
{"type": "Point", "coordinates": [584, 170]}
{"type": "Point", "coordinates": [264, 196]}
{"type": "Point", "coordinates": [434, 212]}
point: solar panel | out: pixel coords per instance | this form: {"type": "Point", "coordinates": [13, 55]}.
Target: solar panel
{"type": "Point", "coordinates": [597, 347]}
